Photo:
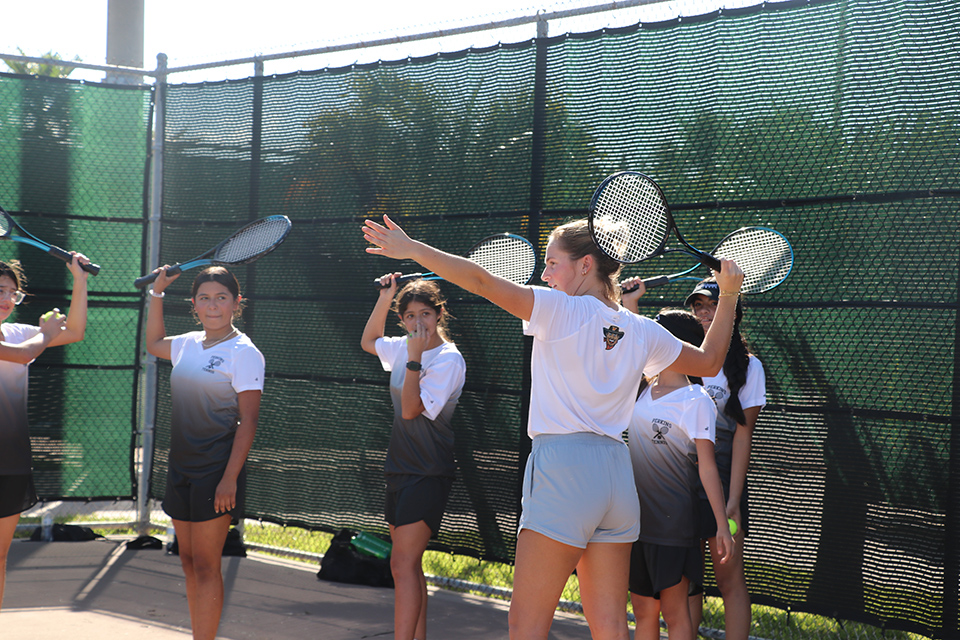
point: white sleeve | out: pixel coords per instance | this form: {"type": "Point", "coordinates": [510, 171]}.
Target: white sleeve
{"type": "Point", "coordinates": [442, 379]}
{"type": "Point", "coordinates": [388, 349]}
{"type": "Point", "coordinates": [176, 347]}
{"type": "Point", "coordinates": [552, 316]}
{"type": "Point", "coordinates": [700, 418]}
{"type": "Point", "coordinates": [248, 370]}
{"type": "Point", "coordinates": [753, 393]}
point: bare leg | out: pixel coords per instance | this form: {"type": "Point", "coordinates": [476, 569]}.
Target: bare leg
{"type": "Point", "coordinates": [410, 585]}
{"type": "Point", "coordinates": [676, 611]}
{"type": "Point", "coordinates": [696, 602]}
{"type": "Point", "coordinates": [604, 573]}
{"type": "Point", "coordinates": [733, 588]}
{"type": "Point", "coordinates": [8, 526]}
{"type": "Point", "coordinates": [540, 573]}
{"type": "Point", "coordinates": [201, 547]}
{"type": "Point", "coordinates": [647, 612]}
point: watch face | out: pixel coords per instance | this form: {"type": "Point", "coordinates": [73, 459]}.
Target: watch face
{"type": "Point", "coordinates": [414, 366]}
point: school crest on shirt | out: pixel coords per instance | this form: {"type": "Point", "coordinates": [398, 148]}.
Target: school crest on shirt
{"type": "Point", "coordinates": [716, 392]}
{"type": "Point", "coordinates": [660, 430]}
{"type": "Point", "coordinates": [215, 361]}
{"type": "Point", "coordinates": [611, 336]}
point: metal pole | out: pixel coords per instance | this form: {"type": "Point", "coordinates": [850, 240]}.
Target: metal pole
{"type": "Point", "coordinates": [148, 380]}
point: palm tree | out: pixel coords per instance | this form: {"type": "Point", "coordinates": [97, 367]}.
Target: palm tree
{"type": "Point", "coordinates": [39, 69]}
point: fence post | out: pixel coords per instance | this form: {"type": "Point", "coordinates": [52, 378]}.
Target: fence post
{"type": "Point", "coordinates": [148, 376]}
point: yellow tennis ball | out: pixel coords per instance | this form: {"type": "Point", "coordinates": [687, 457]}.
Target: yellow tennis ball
{"type": "Point", "coordinates": [47, 316]}
{"type": "Point", "coordinates": [733, 526]}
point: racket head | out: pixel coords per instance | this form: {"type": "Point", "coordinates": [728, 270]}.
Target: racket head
{"type": "Point", "coordinates": [506, 255]}
{"type": "Point", "coordinates": [253, 241]}
{"type": "Point", "coordinates": [629, 217]}
{"type": "Point", "coordinates": [765, 256]}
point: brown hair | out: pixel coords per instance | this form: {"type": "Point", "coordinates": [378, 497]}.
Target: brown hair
{"type": "Point", "coordinates": [219, 275]}
{"type": "Point", "coordinates": [14, 271]}
{"type": "Point", "coordinates": [428, 293]}
{"type": "Point", "coordinates": [575, 239]}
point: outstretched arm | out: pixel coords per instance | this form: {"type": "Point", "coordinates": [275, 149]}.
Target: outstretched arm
{"type": "Point", "coordinates": [391, 241]}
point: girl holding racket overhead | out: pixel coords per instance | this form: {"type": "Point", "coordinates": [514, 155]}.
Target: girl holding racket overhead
{"type": "Point", "coordinates": [20, 345]}
{"type": "Point", "coordinates": [588, 357]}
{"type": "Point", "coordinates": [739, 391]}
{"type": "Point", "coordinates": [216, 383]}
{"type": "Point", "coordinates": [426, 379]}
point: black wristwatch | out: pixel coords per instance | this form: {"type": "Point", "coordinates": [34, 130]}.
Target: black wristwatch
{"type": "Point", "coordinates": [414, 366]}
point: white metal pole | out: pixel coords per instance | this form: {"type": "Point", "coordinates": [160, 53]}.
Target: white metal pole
{"type": "Point", "coordinates": [148, 376]}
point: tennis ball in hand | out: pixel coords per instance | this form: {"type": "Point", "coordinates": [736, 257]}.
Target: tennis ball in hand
{"type": "Point", "coordinates": [733, 526]}
{"type": "Point", "coordinates": [47, 316]}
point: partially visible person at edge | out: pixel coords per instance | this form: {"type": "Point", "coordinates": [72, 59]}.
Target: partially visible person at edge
{"type": "Point", "coordinates": [20, 346]}
{"type": "Point", "coordinates": [215, 388]}
{"type": "Point", "coordinates": [671, 440]}
{"type": "Point", "coordinates": [427, 374]}
{"type": "Point", "coordinates": [588, 357]}
{"type": "Point", "coordinates": [740, 392]}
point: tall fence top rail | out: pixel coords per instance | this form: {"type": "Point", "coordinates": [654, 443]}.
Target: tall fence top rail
{"type": "Point", "coordinates": [161, 71]}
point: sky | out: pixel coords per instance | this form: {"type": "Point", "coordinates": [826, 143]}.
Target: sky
{"type": "Point", "coordinates": [201, 31]}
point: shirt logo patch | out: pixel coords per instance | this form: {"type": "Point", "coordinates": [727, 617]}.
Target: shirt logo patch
{"type": "Point", "coordinates": [660, 430]}
{"type": "Point", "coordinates": [717, 393]}
{"type": "Point", "coordinates": [611, 336]}
{"type": "Point", "coordinates": [215, 361]}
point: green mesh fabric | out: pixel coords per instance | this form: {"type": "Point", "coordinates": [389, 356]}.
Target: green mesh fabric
{"type": "Point", "coordinates": [834, 122]}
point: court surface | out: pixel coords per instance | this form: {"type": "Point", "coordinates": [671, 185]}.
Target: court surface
{"type": "Point", "coordinates": [102, 590]}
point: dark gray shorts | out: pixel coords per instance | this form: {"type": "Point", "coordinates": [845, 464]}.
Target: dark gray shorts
{"type": "Point", "coordinates": [655, 567]}
{"type": "Point", "coordinates": [191, 499]}
{"type": "Point", "coordinates": [17, 494]}
{"type": "Point", "coordinates": [425, 499]}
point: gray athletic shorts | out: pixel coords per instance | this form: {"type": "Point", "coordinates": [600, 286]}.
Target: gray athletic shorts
{"type": "Point", "coordinates": [579, 488]}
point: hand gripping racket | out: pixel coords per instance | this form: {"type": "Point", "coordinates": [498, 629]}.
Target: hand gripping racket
{"type": "Point", "coordinates": [630, 221]}
{"type": "Point", "coordinates": [506, 255]}
{"type": "Point", "coordinates": [764, 255]}
{"type": "Point", "coordinates": [253, 241]}
{"type": "Point", "coordinates": [10, 230]}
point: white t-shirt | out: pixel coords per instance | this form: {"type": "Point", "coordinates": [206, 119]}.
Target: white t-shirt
{"type": "Point", "coordinates": [753, 393]}
{"type": "Point", "coordinates": [15, 457]}
{"type": "Point", "coordinates": [664, 454]}
{"type": "Point", "coordinates": [205, 411]}
{"type": "Point", "coordinates": [587, 363]}
{"type": "Point", "coordinates": [442, 373]}
{"type": "Point", "coordinates": [422, 446]}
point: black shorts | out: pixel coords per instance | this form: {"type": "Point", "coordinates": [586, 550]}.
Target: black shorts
{"type": "Point", "coordinates": [191, 499]}
{"type": "Point", "coordinates": [17, 494]}
{"type": "Point", "coordinates": [424, 500]}
{"type": "Point", "coordinates": [708, 524]}
{"type": "Point", "coordinates": [655, 567]}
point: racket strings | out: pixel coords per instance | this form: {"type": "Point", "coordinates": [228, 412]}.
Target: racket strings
{"type": "Point", "coordinates": [630, 218]}
{"type": "Point", "coordinates": [509, 257]}
{"type": "Point", "coordinates": [253, 240]}
{"type": "Point", "coordinates": [765, 257]}
{"type": "Point", "coordinates": [5, 225]}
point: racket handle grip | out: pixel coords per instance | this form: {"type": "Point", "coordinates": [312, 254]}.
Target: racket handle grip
{"type": "Point", "coordinates": [710, 262]}
{"type": "Point", "coordinates": [143, 281]}
{"type": "Point", "coordinates": [57, 252]}
{"type": "Point", "coordinates": [653, 283]}
{"type": "Point", "coordinates": [402, 280]}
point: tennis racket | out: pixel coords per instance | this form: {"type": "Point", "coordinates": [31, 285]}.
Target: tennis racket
{"type": "Point", "coordinates": [630, 221]}
{"type": "Point", "coordinates": [253, 241]}
{"type": "Point", "coordinates": [506, 255]}
{"type": "Point", "coordinates": [10, 230]}
{"type": "Point", "coordinates": [764, 255]}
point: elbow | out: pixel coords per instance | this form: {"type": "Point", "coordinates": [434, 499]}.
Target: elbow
{"type": "Point", "coordinates": [410, 415]}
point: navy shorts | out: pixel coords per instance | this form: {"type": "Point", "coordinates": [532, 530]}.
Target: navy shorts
{"type": "Point", "coordinates": [17, 494]}
{"type": "Point", "coordinates": [424, 499]}
{"type": "Point", "coordinates": [191, 499]}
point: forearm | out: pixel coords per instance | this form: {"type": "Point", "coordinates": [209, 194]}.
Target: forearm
{"type": "Point", "coordinates": [716, 342]}
{"type": "Point", "coordinates": [77, 315]}
{"type": "Point", "coordinates": [26, 351]}
{"type": "Point", "coordinates": [155, 331]}
{"type": "Point", "coordinates": [411, 405]}
{"type": "Point", "coordinates": [242, 443]}
{"type": "Point", "coordinates": [740, 462]}
{"type": "Point", "coordinates": [710, 479]}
